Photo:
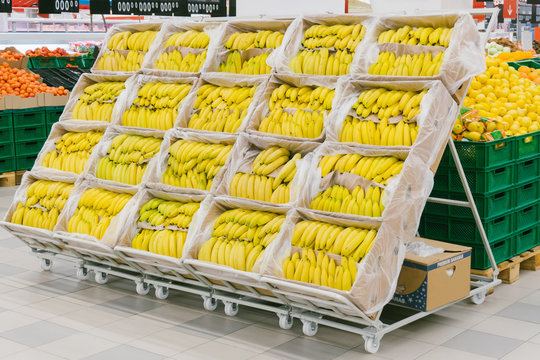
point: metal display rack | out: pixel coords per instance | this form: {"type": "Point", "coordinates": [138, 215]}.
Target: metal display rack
{"type": "Point", "coordinates": [313, 307]}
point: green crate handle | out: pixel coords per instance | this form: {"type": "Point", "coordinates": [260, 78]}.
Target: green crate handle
{"type": "Point", "coordinates": [526, 232]}
{"type": "Point", "coordinates": [500, 244]}
{"type": "Point", "coordinates": [528, 139]}
{"type": "Point", "coordinates": [500, 170]}
{"type": "Point", "coordinates": [501, 219]}
{"type": "Point", "coordinates": [500, 146]}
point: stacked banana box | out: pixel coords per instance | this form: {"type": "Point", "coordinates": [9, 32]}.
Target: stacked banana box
{"type": "Point", "coordinates": [275, 155]}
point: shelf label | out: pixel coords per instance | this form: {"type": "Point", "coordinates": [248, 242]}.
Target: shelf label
{"type": "Point", "coordinates": [5, 6]}
{"type": "Point", "coordinates": [170, 7]}
{"type": "Point", "coordinates": [58, 6]}
{"type": "Point", "coordinates": [100, 7]}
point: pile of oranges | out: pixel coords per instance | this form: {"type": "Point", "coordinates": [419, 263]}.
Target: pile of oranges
{"type": "Point", "coordinates": [515, 55]}
{"type": "Point", "coordinates": [10, 55]}
{"type": "Point", "coordinates": [21, 83]}
{"type": "Point", "coordinates": [530, 73]}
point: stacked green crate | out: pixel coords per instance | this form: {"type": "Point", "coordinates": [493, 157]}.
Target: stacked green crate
{"type": "Point", "coordinates": [52, 115]}
{"type": "Point", "coordinates": [504, 178]}
{"type": "Point", "coordinates": [29, 133]}
{"type": "Point", "coordinates": [7, 145]}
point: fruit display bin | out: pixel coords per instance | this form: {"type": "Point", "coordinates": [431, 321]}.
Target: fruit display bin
{"type": "Point", "coordinates": [528, 193]}
{"type": "Point", "coordinates": [28, 117]}
{"type": "Point", "coordinates": [29, 133]}
{"type": "Point", "coordinates": [527, 170]}
{"type": "Point", "coordinates": [527, 145]}
{"type": "Point", "coordinates": [532, 63]}
{"type": "Point", "coordinates": [464, 231]}
{"type": "Point", "coordinates": [52, 114]}
{"type": "Point", "coordinates": [527, 239]}
{"type": "Point", "coordinates": [59, 62]}
{"type": "Point", "coordinates": [30, 147]}
{"type": "Point", "coordinates": [475, 154]}
{"type": "Point", "coordinates": [480, 180]}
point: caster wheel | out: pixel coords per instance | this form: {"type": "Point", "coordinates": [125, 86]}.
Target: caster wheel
{"type": "Point", "coordinates": [162, 293]}
{"type": "Point", "coordinates": [46, 264]}
{"type": "Point", "coordinates": [209, 303]}
{"type": "Point", "coordinates": [142, 288]}
{"type": "Point", "coordinates": [479, 298]}
{"type": "Point", "coordinates": [309, 328]}
{"type": "Point", "coordinates": [371, 345]}
{"type": "Point", "coordinates": [285, 321]}
{"type": "Point", "coordinates": [101, 278]}
{"type": "Point", "coordinates": [83, 273]}
{"type": "Point", "coordinates": [231, 309]}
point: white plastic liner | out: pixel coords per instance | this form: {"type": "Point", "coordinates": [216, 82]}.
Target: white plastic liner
{"type": "Point", "coordinates": [463, 59]}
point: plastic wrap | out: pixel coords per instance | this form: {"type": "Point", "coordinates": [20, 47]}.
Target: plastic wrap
{"type": "Point", "coordinates": [212, 29]}
{"type": "Point", "coordinates": [84, 81]}
{"type": "Point", "coordinates": [295, 80]}
{"type": "Point", "coordinates": [57, 131]}
{"type": "Point", "coordinates": [463, 59]}
{"type": "Point", "coordinates": [230, 80]}
{"type": "Point", "coordinates": [133, 85]}
{"type": "Point", "coordinates": [220, 53]}
{"type": "Point", "coordinates": [249, 147]}
{"type": "Point", "coordinates": [203, 231]}
{"type": "Point", "coordinates": [292, 42]}
{"type": "Point", "coordinates": [140, 27]}
{"type": "Point", "coordinates": [158, 167]}
{"type": "Point", "coordinates": [103, 147]}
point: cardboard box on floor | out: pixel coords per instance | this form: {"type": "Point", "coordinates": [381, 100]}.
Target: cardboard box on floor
{"type": "Point", "coordinates": [426, 283]}
{"type": "Point", "coordinates": [18, 64]}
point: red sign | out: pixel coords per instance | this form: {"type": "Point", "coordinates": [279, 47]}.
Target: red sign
{"type": "Point", "coordinates": [510, 9]}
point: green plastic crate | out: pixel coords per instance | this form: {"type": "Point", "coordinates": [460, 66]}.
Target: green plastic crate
{"type": "Point", "coordinates": [532, 63]}
{"type": "Point", "coordinates": [464, 231]}
{"type": "Point", "coordinates": [6, 119]}
{"type": "Point", "coordinates": [48, 128]}
{"type": "Point", "coordinates": [28, 117]}
{"type": "Point", "coordinates": [7, 149]}
{"type": "Point", "coordinates": [526, 194]}
{"type": "Point", "coordinates": [481, 155]}
{"type": "Point", "coordinates": [43, 62]}
{"type": "Point", "coordinates": [527, 216]}
{"type": "Point", "coordinates": [6, 135]}
{"type": "Point", "coordinates": [480, 181]}
{"type": "Point", "coordinates": [29, 133]}
{"type": "Point", "coordinates": [7, 164]}
{"type": "Point", "coordinates": [488, 205]}
{"type": "Point", "coordinates": [52, 114]}
{"type": "Point", "coordinates": [502, 250]}
{"type": "Point", "coordinates": [526, 239]}
{"type": "Point", "coordinates": [527, 170]}
{"type": "Point", "coordinates": [30, 147]}
{"type": "Point", "coordinates": [25, 162]}
{"type": "Point", "coordinates": [528, 145]}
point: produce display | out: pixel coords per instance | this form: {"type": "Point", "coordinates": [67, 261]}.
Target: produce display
{"type": "Point", "coordinates": [72, 151]}
{"type": "Point", "coordinates": [221, 108]}
{"type": "Point", "coordinates": [376, 168]}
{"type": "Point", "coordinates": [259, 185]}
{"type": "Point", "coordinates": [515, 55]}
{"type": "Point", "coordinates": [10, 55]}
{"type": "Point", "coordinates": [494, 49]}
{"type": "Point", "coordinates": [424, 64]}
{"type": "Point", "coordinates": [126, 51]}
{"type": "Point", "coordinates": [24, 84]}
{"type": "Point", "coordinates": [46, 52]}
{"type": "Point", "coordinates": [127, 157]}
{"type": "Point", "coordinates": [339, 199]}
{"type": "Point", "coordinates": [420, 36]}
{"type": "Point", "coordinates": [297, 112]}
{"type": "Point", "coordinates": [156, 105]}
{"type": "Point", "coordinates": [97, 101]}
{"type": "Point", "coordinates": [530, 73]}
{"type": "Point", "coordinates": [328, 50]}
{"type": "Point", "coordinates": [193, 164]}
{"type": "Point", "coordinates": [163, 226]}
{"type": "Point", "coordinates": [95, 210]}
{"type": "Point", "coordinates": [240, 237]}
{"type": "Point", "coordinates": [172, 59]}
{"type": "Point", "coordinates": [44, 201]}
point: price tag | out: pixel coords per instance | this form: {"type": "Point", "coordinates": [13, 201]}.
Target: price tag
{"type": "Point", "coordinates": [208, 7]}
{"type": "Point", "coordinates": [127, 7]}
{"type": "Point", "coordinates": [58, 6]}
{"type": "Point", "coordinates": [5, 6]}
{"type": "Point", "coordinates": [100, 7]}
{"type": "Point", "coordinates": [170, 7]}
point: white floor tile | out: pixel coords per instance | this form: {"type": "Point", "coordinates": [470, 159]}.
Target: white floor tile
{"type": "Point", "coordinates": [10, 320]}
{"type": "Point", "coordinates": [515, 329]}
{"type": "Point", "coordinates": [396, 347]}
{"type": "Point", "coordinates": [167, 342]}
{"type": "Point", "coordinates": [256, 338]}
{"type": "Point", "coordinates": [444, 353]}
{"type": "Point", "coordinates": [128, 329]}
{"type": "Point", "coordinates": [49, 308]}
{"type": "Point", "coordinates": [215, 350]}
{"type": "Point", "coordinates": [31, 354]}
{"type": "Point", "coordinates": [8, 347]}
{"type": "Point", "coordinates": [525, 351]}
{"type": "Point", "coordinates": [85, 319]}
{"type": "Point", "coordinates": [78, 346]}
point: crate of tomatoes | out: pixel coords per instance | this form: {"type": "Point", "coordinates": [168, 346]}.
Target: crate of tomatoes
{"type": "Point", "coordinates": [43, 57]}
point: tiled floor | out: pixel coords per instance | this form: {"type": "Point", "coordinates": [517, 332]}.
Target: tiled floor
{"type": "Point", "coordinates": [51, 315]}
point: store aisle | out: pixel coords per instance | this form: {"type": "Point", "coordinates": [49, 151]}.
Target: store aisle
{"type": "Point", "coordinates": [51, 315]}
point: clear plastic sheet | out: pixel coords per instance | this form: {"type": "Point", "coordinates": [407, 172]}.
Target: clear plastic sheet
{"type": "Point", "coordinates": [169, 28]}
{"type": "Point", "coordinates": [295, 80]}
{"type": "Point", "coordinates": [463, 59]}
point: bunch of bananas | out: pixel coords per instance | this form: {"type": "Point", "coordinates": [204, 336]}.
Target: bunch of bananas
{"type": "Point", "coordinates": [321, 62]}
{"type": "Point", "coordinates": [194, 164]}
{"type": "Point", "coordinates": [376, 168]}
{"type": "Point", "coordinates": [407, 65]}
{"type": "Point", "coordinates": [97, 101]}
{"type": "Point", "coordinates": [338, 199]}
{"type": "Point", "coordinates": [264, 39]}
{"type": "Point", "coordinates": [383, 134]}
{"type": "Point", "coordinates": [297, 111]}
{"type": "Point", "coordinates": [191, 39]}
{"type": "Point", "coordinates": [419, 36]}
{"type": "Point", "coordinates": [156, 105]}
{"type": "Point", "coordinates": [240, 237]}
{"type": "Point", "coordinates": [127, 158]}
{"type": "Point", "coordinates": [45, 200]}
{"type": "Point", "coordinates": [220, 108]}
{"type": "Point", "coordinates": [126, 40]}
{"type": "Point", "coordinates": [72, 151]}
{"type": "Point", "coordinates": [389, 103]}
{"type": "Point", "coordinates": [339, 37]}
{"type": "Point", "coordinates": [255, 65]}
{"type": "Point", "coordinates": [96, 208]}
{"type": "Point", "coordinates": [175, 216]}
{"type": "Point", "coordinates": [115, 61]}
{"type": "Point", "coordinates": [259, 185]}
{"type": "Point", "coordinates": [174, 61]}
{"type": "Point", "coordinates": [353, 242]}
{"type": "Point", "coordinates": [320, 269]}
